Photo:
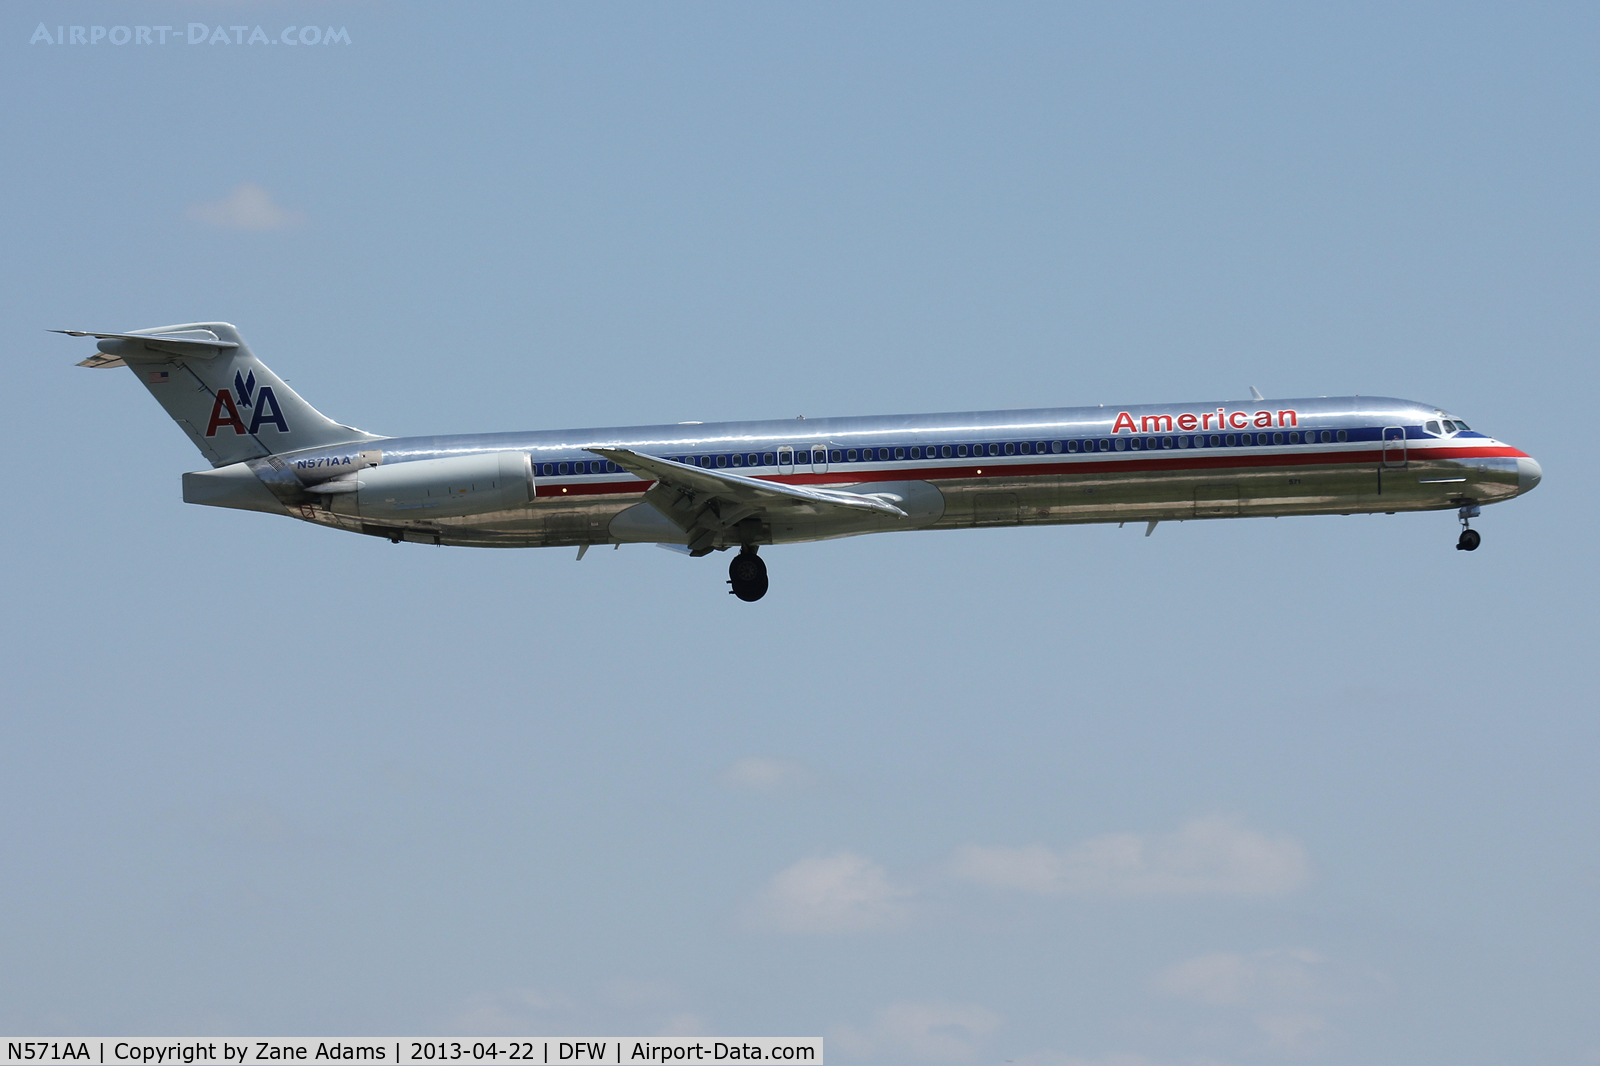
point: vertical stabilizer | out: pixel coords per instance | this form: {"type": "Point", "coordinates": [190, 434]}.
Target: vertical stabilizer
{"type": "Point", "coordinates": [231, 406]}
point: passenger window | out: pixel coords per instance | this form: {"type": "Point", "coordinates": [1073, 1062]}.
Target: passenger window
{"type": "Point", "coordinates": [1011, 449]}
{"type": "Point", "coordinates": [1183, 442]}
{"type": "Point", "coordinates": [946, 451]}
{"type": "Point", "coordinates": [916, 453]}
{"type": "Point", "coordinates": [1277, 438]}
{"type": "Point", "coordinates": [1105, 445]}
{"type": "Point", "coordinates": [994, 449]}
{"type": "Point", "coordinates": [836, 456]}
{"type": "Point", "coordinates": [851, 455]}
{"type": "Point", "coordinates": [1343, 436]}
{"type": "Point", "coordinates": [1027, 448]}
{"type": "Point", "coordinates": [565, 468]}
{"type": "Point", "coordinates": [899, 453]}
{"type": "Point", "coordinates": [1134, 443]}
{"type": "Point", "coordinates": [738, 460]}
{"type": "Point", "coordinates": [1122, 445]}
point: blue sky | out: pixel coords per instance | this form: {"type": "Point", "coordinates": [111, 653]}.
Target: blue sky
{"type": "Point", "coordinates": [1262, 791]}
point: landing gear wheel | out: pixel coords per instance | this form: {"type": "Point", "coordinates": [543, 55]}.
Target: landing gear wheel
{"type": "Point", "coordinates": [1469, 541]}
{"type": "Point", "coordinates": [748, 575]}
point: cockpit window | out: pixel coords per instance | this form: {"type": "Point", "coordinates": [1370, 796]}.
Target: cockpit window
{"type": "Point", "coordinates": [1462, 426]}
{"type": "Point", "coordinates": [1431, 427]}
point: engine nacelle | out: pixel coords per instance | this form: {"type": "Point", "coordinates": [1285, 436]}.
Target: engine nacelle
{"type": "Point", "coordinates": [440, 488]}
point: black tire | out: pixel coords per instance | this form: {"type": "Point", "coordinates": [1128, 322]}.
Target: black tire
{"type": "Point", "coordinates": [748, 576]}
{"type": "Point", "coordinates": [747, 568]}
{"type": "Point", "coordinates": [750, 592]}
{"type": "Point", "coordinates": [1470, 539]}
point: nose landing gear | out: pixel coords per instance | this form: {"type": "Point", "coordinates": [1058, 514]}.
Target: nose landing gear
{"type": "Point", "coordinates": [1470, 538]}
{"type": "Point", "coordinates": [748, 575]}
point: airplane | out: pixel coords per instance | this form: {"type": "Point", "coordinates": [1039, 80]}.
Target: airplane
{"type": "Point", "coordinates": [703, 487]}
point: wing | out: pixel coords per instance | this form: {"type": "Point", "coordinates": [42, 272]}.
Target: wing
{"type": "Point", "coordinates": [704, 503]}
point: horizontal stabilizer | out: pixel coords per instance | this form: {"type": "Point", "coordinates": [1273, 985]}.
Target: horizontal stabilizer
{"type": "Point", "coordinates": [195, 343]}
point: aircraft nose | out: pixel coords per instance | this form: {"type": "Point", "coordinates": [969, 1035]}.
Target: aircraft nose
{"type": "Point", "coordinates": [1529, 473]}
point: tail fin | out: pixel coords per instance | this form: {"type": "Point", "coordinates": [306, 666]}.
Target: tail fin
{"type": "Point", "coordinates": [232, 407]}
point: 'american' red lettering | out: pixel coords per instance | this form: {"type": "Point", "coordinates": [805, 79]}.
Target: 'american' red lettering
{"type": "Point", "coordinates": [1189, 422]}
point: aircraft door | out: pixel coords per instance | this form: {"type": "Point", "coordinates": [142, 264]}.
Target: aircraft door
{"type": "Point", "coordinates": [1394, 446]}
{"type": "Point", "coordinates": [786, 460]}
{"type": "Point", "coordinates": [819, 460]}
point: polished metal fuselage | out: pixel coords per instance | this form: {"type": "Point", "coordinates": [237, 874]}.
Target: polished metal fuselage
{"type": "Point", "coordinates": [1147, 463]}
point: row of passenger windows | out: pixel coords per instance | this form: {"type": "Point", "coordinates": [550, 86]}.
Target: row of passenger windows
{"type": "Point", "coordinates": [819, 456]}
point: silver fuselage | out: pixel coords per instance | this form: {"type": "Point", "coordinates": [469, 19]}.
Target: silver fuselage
{"type": "Point", "coordinates": [1341, 455]}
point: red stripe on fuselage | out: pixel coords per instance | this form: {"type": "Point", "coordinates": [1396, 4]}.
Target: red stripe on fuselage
{"type": "Point", "coordinates": [1008, 466]}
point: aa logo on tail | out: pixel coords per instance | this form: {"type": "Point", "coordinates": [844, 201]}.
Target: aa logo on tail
{"type": "Point", "coordinates": [262, 402]}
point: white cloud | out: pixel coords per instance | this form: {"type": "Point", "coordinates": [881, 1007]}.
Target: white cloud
{"type": "Point", "coordinates": [945, 1032]}
{"type": "Point", "coordinates": [1292, 1030]}
{"type": "Point", "coordinates": [681, 1025]}
{"type": "Point", "coordinates": [1212, 855]}
{"type": "Point", "coordinates": [838, 893]}
{"type": "Point", "coordinates": [248, 206]}
{"type": "Point", "coordinates": [515, 1012]}
{"type": "Point", "coordinates": [1035, 868]}
{"type": "Point", "coordinates": [759, 774]}
{"type": "Point", "coordinates": [1227, 979]}
{"type": "Point", "coordinates": [1282, 991]}
{"type": "Point", "coordinates": [625, 1004]}
{"type": "Point", "coordinates": [1117, 1058]}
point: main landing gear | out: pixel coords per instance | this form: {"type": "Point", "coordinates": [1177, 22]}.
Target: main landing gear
{"type": "Point", "coordinates": [1469, 537]}
{"type": "Point", "coordinates": [748, 575]}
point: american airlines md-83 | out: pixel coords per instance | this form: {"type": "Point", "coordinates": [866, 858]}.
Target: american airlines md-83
{"type": "Point", "coordinates": [704, 487]}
